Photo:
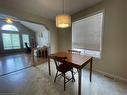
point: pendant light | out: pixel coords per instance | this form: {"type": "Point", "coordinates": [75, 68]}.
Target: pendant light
{"type": "Point", "coordinates": [63, 20]}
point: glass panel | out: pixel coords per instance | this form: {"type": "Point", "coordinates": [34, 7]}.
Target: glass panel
{"type": "Point", "coordinates": [15, 41]}
{"type": "Point", "coordinates": [7, 41]}
{"type": "Point", "coordinates": [11, 41]}
{"type": "Point", "coordinates": [87, 35]}
{"type": "Point", "coordinates": [25, 39]}
{"type": "Point", "coordinates": [9, 27]}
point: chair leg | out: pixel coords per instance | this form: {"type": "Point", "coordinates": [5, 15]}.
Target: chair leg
{"type": "Point", "coordinates": [73, 78]}
{"type": "Point", "coordinates": [64, 82]}
{"type": "Point", "coordinates": [56, 76]}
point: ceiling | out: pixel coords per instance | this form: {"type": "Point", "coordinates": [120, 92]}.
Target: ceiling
{"type": "Point", "coordinates": [48, 8]}
{"type": "Point", "coordinates": [33, 26]}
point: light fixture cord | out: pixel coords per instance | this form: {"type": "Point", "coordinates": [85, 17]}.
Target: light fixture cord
{"type": "Point", "coordinates": [63, 6]}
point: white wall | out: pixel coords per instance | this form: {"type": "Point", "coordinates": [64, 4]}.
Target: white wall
{"type": "Point", "coordinates": [42, 38]}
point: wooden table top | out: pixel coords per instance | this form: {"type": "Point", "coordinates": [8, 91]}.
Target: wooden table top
{"type": "Point", "coordinates": [78, 61]}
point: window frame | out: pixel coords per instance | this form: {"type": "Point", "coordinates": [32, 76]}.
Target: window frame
{"type": "Point", "coordinates": [91, 14]}
{"type": "Point", "coordinates": [11, 39]}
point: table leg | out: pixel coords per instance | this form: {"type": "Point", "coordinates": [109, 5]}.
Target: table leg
{"type": "Point", "coordinates": [49, 66]}
{"type": "Point", "coordinates": [79, 81]}
{"type": "Point", "coordinates": [32, 54]}
{"type": "Point", "coordinates": [44, 54]}
{"type": "Point", "coordinates": [91, 69]}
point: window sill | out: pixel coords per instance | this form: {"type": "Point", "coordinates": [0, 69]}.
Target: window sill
{"type": "Point", "coordinates": [96, 54]}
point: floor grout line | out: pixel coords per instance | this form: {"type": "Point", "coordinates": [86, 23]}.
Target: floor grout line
{"type": "Point", "coordinates": [15, 71]}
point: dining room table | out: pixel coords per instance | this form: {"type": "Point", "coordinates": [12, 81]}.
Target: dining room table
{"type": "Point", "coordinates": [75, 60]}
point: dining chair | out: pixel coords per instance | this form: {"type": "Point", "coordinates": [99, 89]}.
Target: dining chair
{"type": "Point", "coordinates": [63, 67]}
{"type": "Point", "coordinates": [28, 49]}
{"type": "Point", "coordinates": [74, 51]}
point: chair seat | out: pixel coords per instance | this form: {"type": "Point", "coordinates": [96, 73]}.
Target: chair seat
{"type": "Point", "coordinates": [64, 68]}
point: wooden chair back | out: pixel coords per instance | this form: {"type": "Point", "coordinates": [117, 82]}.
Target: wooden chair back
{"type": "Point", "coordinates": [59, 60]}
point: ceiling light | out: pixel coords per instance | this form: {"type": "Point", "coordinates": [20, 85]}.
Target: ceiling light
{"type": "Point", "coordinates": [9, 20]}
{"type": "Point", "coordinates": [63, 20]}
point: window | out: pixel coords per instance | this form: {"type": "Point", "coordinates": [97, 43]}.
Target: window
{"type": "Point", "coordinates": [25, 39]}
{"type": "Point", "coordinates": [10, 41]}
{"type": "Point", "coordinates": [87, 34]}
{"type": "Point", "coordinates": [9, 27]}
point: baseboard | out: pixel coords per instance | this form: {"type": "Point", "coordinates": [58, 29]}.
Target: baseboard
{"type": "Point", "coordinates": [110, 75]}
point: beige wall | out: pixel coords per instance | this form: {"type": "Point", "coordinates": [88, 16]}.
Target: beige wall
{"type": "Point", "coordinates": [33, 18]}
{"type": "Point", "coordinates": [64, 42]}
{"type": "Point", "coordinates": [114, 46]}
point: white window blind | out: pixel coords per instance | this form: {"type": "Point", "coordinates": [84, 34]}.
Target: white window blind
{"type": "Point", "coordinates": [87, 32]}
